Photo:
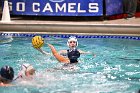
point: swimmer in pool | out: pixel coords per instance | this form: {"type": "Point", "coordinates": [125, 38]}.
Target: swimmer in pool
{"type": "Point", "coordinates": [72, 54]}
{"type": "Point", "coordinates": [27, 71]}
{"type": "Point", "coordinates": [6, 75]}
{"type": "Point", "coordinates": [72, 43]}
{"type": "Point", "coordinates": [67, 56]}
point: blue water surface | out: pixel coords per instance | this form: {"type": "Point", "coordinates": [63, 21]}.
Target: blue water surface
{"type": "Point", "coordinates": [114, 69]}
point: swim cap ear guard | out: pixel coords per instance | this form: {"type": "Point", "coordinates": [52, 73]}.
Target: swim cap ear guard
{"type": "Point", "coordinates": [72, 38]}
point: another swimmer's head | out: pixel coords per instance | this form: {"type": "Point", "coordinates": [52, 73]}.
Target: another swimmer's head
{"type": "Point", "coordinates": [27, 70]}
{"type": "Point", "coordinates": [72, 42]}
{"type": "Point", "coordinates": [6, 74]}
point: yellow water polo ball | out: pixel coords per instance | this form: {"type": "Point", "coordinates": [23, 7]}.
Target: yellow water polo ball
{"type": "Point", "coordinates": [37, 42]}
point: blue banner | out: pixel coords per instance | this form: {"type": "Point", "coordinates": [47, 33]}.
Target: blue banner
{"type": "Point", "coordinates": [114, 7]}
{"type": "Point", "coordinates": [57, 7]}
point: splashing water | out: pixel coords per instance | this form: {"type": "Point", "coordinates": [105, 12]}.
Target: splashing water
{"type": "Point", "coordinates": [115, 69]}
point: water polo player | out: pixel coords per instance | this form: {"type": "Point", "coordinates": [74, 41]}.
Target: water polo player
{"type": "Point", "coordinates": [6, 75]}
{"type": "Point", "coordinates": [72, 53]}
{"type": "Point", "coordinates": [72, 43]}
{"type": "Point", "coordinates": [27, 71]}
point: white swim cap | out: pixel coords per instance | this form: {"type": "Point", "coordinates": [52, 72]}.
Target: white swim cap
{"type": "Point", "coordinates": [27, 66]}
{"type": "Point", "coordinates": [24, 68]}
{"type": "Point", "coordinates": [72, 38]}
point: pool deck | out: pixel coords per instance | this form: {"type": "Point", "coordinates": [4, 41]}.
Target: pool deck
{"type": "Point", "coordinates": [111, 27]}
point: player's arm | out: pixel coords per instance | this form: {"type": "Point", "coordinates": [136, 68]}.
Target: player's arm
{"type": "Point", "coordinates": [59, 57]}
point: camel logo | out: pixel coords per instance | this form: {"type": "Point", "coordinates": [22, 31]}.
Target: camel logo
{"type": "Point", "coordinates": [56, 0]}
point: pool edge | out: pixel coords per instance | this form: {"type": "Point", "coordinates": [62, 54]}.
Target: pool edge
{"type": "Point", "coordinates": [70, 27]}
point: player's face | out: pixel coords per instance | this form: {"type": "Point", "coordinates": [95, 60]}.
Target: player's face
{"type": "Point", "coordinates": [72, 44]}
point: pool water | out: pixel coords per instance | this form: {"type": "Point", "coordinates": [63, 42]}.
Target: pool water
{"type": "Point", "coordinates": [114, 69]}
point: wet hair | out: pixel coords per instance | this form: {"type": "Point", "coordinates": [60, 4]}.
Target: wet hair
{"type": "Point", "coordinates": [7, 73]}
